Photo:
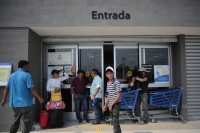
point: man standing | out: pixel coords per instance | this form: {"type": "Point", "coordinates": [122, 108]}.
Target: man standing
{"type": "Point", "coordinates": [96, 95]}
{"type": "Point", "coordinates": [79, 91]}
{"type": "Point", "coordinates": [20, 86]}
{"type": "Point", "coordinates": [143, 94]}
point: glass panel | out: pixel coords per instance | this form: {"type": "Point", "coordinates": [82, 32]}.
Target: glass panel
{"type": "Point", "coordinates": [90, 59]}
{"type": "Point", "coordinates": [62, 59]}
{"type": "Point", "coordinates": [126, 64]}
{"type": "Point", "coordinates": [155, 56]}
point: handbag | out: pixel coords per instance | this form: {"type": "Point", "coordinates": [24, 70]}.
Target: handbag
{"type": "Point", "coordinates": [56, 96]}
{"type": "Point", "coordinates": [44, 118]}
{"type": "Point", "coordinates": [55, 105]}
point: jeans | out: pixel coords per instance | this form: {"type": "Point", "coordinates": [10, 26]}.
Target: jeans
{"type": "Point", "coordinates": [81, 99]}
{"type": "Point", "coordinates": [21, 112]}
{"type": "Point", "coordinates": [98, 110]}
{"type": "Point", "coordinates": [115, 118]}
{"type": "Point", "coordinates": [142, 98]}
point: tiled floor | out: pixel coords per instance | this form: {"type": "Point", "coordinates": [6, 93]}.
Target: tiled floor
{"type": "Point", "coordinates": [127, 126]}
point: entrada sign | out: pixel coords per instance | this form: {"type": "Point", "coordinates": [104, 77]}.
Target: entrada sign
{"type": "Point", "coordinates": [105, 15]}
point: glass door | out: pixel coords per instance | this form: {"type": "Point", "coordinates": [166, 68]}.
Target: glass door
{"type": "Point", "coordinates": [126, 63]}
{"type": "Point", "coordinates": [157, 55]}
{"type": "Point", "coordinates": [91, 57]}
{"type": "Point", "coordinates": [60, 56]}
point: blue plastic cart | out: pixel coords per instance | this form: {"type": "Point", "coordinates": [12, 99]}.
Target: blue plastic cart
{"type": "Point", "coordinates": [128, 104]}
{"type": "Point", "coordinates": [169, 98]}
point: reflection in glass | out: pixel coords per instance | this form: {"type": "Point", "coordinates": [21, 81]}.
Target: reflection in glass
{"type": "Point", "coordinates": [126, 64]}
{"type": "Point", "coordinates": [155, 56]}
{"type": "Point", "coordinates": [90, 59]}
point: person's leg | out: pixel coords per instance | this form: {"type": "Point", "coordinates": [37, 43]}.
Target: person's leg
{"type": "Point", "coordinates": [138, 104]}
{"type": "Point", "coordinates": [145, 106]}
{"type": "Point", "coordinates": [115, 117]}
{"type": "Point", "coordinates": [97, 111]}
{"type": "Point", "coordinates": [77, 108]}
{"type": "Point", "coordinates": [26, 119]}
{"type": "Point", "coordinates": [85, 107]}
{"type": "Point", "coordinates": [15, 124]}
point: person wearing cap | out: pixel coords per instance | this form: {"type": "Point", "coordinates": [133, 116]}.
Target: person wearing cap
{"type": "Point", "coordinates": [143, 81]}
{"type": "Point", "coordinates": [96, 95]}
{"type": "Point", "coordinates": [78, 89]}
{"type": "Point", "coordinates": [54, 83]}
{"type": "Point", "coordinates": [113, 98]}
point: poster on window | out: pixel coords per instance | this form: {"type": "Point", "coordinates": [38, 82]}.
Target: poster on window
{"type": "Point", "coordinates": [5, 71]}
{"type": "Point", "coordinates": [161, 73]}
{"type": "Point", "coordinates": [57, 58]}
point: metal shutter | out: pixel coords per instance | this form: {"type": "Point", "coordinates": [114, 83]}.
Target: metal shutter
{"type": "Point", "coordinates": [192, 51]}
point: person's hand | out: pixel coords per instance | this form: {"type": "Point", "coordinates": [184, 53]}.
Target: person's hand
{"type": "Point", "coordinates": [61, 70]}
{"type": "Point", "coordinates": [92, 98]}
{"type": "Point", "coordinates": [110, 108]}
{"type": "Point", "coordinates": [57, 89]}
{"type": "Point", "coordinates": [76, 97]}
{"type": "Point", "coordinates": [41, 100]}
{"type": "Point", "coordinates": [3, 102]}
{"type": "Point", "coordinates": [131, 84]}
{"type": "Point", "coordinates": [104, 108]}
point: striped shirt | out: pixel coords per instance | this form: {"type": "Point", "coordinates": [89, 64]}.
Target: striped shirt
{"type": "Point", "coordinates": [112, 90]}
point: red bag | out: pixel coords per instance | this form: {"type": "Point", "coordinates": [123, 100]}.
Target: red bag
{"type": "Point", "coordinates": [44, 118]}
{"type": "Point", "coordinates": [55, 105]}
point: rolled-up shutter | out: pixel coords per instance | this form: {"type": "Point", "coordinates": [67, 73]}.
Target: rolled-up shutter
{"type": "Point", "coordinates": [192, 51]}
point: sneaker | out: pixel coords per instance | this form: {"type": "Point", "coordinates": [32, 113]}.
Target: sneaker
{"type": "Point", "coordinates": [79, 121]}
{"type": "Point", "coordinates": [95, 123]}
{"type": "Point", "coordinates": [145, 122]}
{"type": "Point", "coordinates": [87, 121]}
{"type": "Point", "coordinates": [135, 120]}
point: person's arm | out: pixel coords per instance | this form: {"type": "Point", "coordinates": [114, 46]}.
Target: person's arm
{"type": "Point", "coordinates": [72, 89]}
{"type": "Point", "coordinates": [105, 106]}
{"type": "Point", "coordinates": [48, 87]}
{"type": "Point", "coordinates": [65, 77]}
{"type": "Point", "coordinates": [141, 80]}
{"type": "Point", "coordinates": [35, 93]}
{"type": "Point", "coordinates": [95, 93]}
{"type": "Point", "coordinates": [5, 94]}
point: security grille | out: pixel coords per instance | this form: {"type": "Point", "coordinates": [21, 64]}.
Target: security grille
{"type": "Point", "coordinates": [192, 50]}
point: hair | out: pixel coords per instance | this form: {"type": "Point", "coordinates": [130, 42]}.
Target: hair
{"type": "Point", "coordinates": [80, 71]}
{"type": "Point", "coordinates": [54, 71]}
{"type": "Point", "coordinates": [95, 71]}
{"type": "Point", "coordinates": [22, 63]}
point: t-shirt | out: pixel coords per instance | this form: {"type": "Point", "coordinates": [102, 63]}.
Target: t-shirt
{"type": "Point", "coordinates": [144, 85]}
{"type": "Point", "coordinates": [96, 83]}
{"type": "Point", "coordinates": [112, 90]}
{"type": "Point", "coordinates": [52, 83]}
{"type": "Point", "coordinates": [79, 85]}
{"type": "Point", "coordinates": [19, 85]}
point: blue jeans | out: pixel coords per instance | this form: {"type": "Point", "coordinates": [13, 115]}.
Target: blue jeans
{"type": "Point", "coordinates": [98, 110]}
{"type": "Point", "coordinates": [81, 99]}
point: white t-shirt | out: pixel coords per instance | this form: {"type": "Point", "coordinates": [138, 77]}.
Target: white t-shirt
{"type": "Point", "coordinates": [52, 83]}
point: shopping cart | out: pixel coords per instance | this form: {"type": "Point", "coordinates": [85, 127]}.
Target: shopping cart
{"type": "Point", "coordinates": [127, 105]}
{"type": "Point", "coordinates": [169, 99]}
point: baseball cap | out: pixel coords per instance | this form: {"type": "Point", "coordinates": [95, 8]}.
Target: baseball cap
{"type": "Point", "coordinates": [142, 69]}
{"type": "Point", "coordinates": [109, 69]}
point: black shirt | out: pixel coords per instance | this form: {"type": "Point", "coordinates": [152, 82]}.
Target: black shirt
{"type": "Point", "coordinates": [144, 85]}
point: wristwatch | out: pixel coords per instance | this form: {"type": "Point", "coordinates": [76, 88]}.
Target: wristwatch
{"type": "Point", "coordinates": [94, 95]}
